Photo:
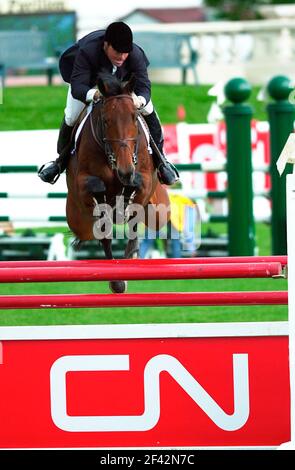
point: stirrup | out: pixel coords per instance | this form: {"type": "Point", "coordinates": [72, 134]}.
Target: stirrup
{"type": "Point", "coordinates": [55, 178]}
{"type": "Point", "coordinates": [175, 170]}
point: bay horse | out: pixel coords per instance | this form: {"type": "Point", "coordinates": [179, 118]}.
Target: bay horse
{"type": "Point", "coordinates": [111, 172]}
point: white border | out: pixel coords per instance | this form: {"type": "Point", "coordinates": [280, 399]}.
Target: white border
{"type": "Point", "coordinates": [174, 330]}
{"type": "Point", "coordinates": [163, 330]}
{"type": "Point", "coordinates": [290, 185]}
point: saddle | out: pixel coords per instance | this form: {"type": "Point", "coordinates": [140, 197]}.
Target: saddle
{"type": "Point", "coordinates": [79, 126]}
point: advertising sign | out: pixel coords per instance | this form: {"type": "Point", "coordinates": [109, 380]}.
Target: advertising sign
{"type": "Point", "coordinates": [137, 386]}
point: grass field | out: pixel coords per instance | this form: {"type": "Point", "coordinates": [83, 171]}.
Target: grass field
{"type": "Point", "coordinates": [42, 108]}
{"type": "Point", "coordinates": [155, 314]}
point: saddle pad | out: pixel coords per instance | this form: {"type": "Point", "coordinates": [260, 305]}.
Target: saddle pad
{"type": "Point", "coordinates": [144, 127]}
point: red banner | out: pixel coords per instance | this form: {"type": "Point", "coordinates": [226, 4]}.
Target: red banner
{"type": "Point", "coordinates": [198, 143]}
{"type": "Point", "coordinates": [140, 392]}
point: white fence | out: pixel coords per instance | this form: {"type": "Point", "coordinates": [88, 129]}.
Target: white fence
{"type": "Point", "coordinates": [256, 50]}
{"type": "Point", "coordinates": [30, 201]}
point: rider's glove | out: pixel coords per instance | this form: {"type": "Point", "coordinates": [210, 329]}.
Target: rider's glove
{"type": "Point", "coordinates": [93, 95]}
{"type": "Point", "coordinates": [139, 101]}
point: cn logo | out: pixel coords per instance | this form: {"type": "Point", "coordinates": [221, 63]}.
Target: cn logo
{"type": "Point", "coordinates": [151, 415]}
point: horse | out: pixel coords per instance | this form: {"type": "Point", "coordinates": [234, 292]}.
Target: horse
{"type": "Point", "coordinates": [111, 176]}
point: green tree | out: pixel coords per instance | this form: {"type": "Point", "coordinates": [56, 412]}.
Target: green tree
{"type": "Point", "coordinates": [275, 2]}
{"type": "Point", "coordinates": [234, 10]}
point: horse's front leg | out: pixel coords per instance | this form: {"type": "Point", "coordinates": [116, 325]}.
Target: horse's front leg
{"type": "Point", "coordinates": [132, 248]}
{"type": "Point", "coordinates": [132, 213]}
{"type": "Point", "coordinates": [92, 191]}
{"type": "Point", "coordinates": [93, 194]}
{"type": "Point", "coordinates": [118, 287]}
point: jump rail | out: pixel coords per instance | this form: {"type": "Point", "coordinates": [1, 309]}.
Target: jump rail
{"type": "Point", "coordinates": [166, 299]}
{"type": "Point", "coordinates": [115, 270]}
{"type": "Point", "coordinates": [152, 262]}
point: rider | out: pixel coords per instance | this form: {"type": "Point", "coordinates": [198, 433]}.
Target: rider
{"type": "Point", "coordinates": [111, 50]}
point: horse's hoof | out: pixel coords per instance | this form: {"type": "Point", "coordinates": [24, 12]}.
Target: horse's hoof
{"type": "Point", "coordinates": [118, 287]}
{"type": "Point", "coordinates": [132, 252]}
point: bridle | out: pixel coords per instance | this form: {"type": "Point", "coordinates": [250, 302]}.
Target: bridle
{"type": "Point", "coordinates": [99, 132]}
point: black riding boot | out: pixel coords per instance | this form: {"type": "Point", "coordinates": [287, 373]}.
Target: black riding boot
{"type": "Point", "coordinates": [167, 173]}
{"type": "Point", "coordinates": [51, 173]}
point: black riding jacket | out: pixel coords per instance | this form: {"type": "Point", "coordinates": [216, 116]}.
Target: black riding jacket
{"type": "Point", "coordinates": [80, 64]}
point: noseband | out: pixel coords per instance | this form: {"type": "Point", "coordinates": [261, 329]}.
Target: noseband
{"type": "Point", "coordinates": [104, 142]}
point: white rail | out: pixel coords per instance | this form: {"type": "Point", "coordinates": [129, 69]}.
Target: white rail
{"type": "Point", "coordinates": [256, 50]}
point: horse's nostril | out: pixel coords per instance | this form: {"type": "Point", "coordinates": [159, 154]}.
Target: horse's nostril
{"type": "Point", "coordinates": [126, 177]}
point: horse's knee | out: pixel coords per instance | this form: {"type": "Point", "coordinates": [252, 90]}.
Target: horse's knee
{"type": "Point", "coordinates": [94, 185]}
{"type": "Point", "coordinates": [91, 187]}
{"type": "Point", "coordinates": [137, 183]}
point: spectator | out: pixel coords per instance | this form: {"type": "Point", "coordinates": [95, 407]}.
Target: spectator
{"type": "Point", "coordinates": [180, 231]}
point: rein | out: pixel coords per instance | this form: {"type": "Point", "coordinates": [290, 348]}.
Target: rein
{"type": "Point", "coordinates": [98, 133]}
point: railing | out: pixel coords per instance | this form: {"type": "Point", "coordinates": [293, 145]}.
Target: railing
{"type": "Point", "coordinates": [255, 50]}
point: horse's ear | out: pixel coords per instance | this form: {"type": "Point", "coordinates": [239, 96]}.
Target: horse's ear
{"type": "Point", "coordinates": [102, 80]}
{"type": "Point", "coordinates": [101, 86]}
{"type": "Point", "coordinates": [129, 86]}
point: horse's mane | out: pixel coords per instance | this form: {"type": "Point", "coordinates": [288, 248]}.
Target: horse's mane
{"type": "Point", "coordinates": [110, 85]}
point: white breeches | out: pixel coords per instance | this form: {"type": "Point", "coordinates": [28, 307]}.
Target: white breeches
{"type": "Point", "coordinates": [73, 109]}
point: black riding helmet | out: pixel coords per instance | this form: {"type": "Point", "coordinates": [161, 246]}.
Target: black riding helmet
{"type": "Point", "coordinates": [119, 36]}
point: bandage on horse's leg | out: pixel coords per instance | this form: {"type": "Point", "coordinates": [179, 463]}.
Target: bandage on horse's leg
{"type": "Point", "coordinates": [118, 287]}
{"type": "Point", "coordinates": [132, 247]}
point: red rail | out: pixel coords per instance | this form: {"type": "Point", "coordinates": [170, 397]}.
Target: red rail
{"type": "Point", "coordinates": [113, 270]}
{"type": "Point", "coordinates": [151, 262]}
{"type": "Point", "coordinates": [143, 300]}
